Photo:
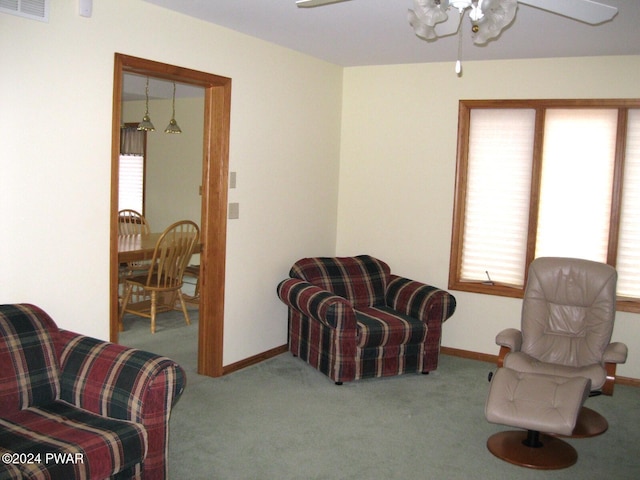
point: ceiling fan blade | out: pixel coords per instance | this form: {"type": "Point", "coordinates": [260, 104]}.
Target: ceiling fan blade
{"type": "Point", "coordinates": [316, 3]}
{"type": "Point", "coordinates": [581, 10]}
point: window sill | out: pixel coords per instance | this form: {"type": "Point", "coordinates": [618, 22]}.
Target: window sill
{"type": "Point", "coordinates": [503, 290]}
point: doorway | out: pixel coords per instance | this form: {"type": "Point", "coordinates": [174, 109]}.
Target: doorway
{"type": "Point", "coordinates": [213, 227]}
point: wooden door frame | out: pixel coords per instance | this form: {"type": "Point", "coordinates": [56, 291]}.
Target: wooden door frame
{"type": "Point", "coordinates": [213, 227]}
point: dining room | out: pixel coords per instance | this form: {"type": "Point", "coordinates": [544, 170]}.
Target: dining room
{"type": "Point", "coordinates": [160, 176]}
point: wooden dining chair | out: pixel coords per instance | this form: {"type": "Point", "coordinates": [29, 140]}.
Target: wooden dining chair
{"type": "Point", "coordinates": [131, 222]}
{"type": "Point", "coordinates": [193, 271]}
{"type": "Point", "coordinates": [163, 282]}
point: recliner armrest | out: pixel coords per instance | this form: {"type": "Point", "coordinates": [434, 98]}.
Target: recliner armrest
{"type": "Point", "coordinates": [419, 300]}
{"type": "Point", "coordinates": [322, 305]}
{"type": "Point", "coordinates": [615, 352]}
{"type": "Point", "coordinates": [510, 338]}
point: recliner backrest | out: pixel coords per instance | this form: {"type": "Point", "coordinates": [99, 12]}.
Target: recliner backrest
{"type": "Point", "coordinates": [29, 370]}
{"type": "Point", "coordinates": [362, 279]}
{"type": "Point", "coordinates": [568, 310]}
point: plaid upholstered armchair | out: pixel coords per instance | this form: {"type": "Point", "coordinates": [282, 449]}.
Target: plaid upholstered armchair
{"type": "Point", "coordinates": [75, 407]}
{"type": "Point", "coordinates": [350, 318]}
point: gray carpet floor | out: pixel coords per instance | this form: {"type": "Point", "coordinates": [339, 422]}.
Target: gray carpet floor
{"type": "Point", "coordinates": [281, 419]}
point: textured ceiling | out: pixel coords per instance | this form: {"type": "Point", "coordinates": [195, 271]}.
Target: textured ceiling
{"type": "Point", "coordinates": [376, 32]}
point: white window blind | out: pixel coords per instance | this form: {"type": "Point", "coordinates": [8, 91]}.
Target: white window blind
{"type": "Point", "coordinates": [577, 181]}
{"type": "Point", "coordinates": [628, 262]}
{"type": "Point", "coordinates": [497, 197]}
{"type": "Point", "coordinates": [131, 185]}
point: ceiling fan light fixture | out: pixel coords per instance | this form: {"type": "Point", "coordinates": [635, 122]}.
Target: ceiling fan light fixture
{"type": "Point", "coordinates": [488, 17]}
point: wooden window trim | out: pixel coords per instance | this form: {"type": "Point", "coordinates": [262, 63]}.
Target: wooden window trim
{"type": "Point", "coordinates": [540, 107]}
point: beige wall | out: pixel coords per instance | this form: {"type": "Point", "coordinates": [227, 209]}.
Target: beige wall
{"type": "Point", "coordinates": [391, 146]}
{"type": "Point", "coordinates": [55, 154]}
{"type": "Point", "coordinates": [398, 160]}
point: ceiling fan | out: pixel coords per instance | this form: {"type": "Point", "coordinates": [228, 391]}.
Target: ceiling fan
{"type": "Point", "coordinates": [432, 19]}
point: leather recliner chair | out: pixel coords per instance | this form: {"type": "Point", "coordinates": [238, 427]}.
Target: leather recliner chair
{"type": "Point", "coordinates": [567, 321]}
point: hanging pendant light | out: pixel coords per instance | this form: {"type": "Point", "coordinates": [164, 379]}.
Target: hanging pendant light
{"type": "Point", "coordinates": [173, 125]}
{"type": "Point", "coordinates": [146, 124]}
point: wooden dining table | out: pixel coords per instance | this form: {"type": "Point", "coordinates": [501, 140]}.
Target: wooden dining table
{"type": "Point", "coordinates": [133, 248]}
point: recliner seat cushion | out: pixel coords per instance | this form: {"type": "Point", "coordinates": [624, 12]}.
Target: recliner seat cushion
{"type": "Point", "coordinates": [107, 446]}
{"type": "Point", "coordinates": [382, 326]}
{"type": "Point", "coordinates": [524, 363]}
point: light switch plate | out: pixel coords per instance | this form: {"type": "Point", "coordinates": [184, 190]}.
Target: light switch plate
{"type": "Point", "coordinates": [234, 211]}
{"type": "Point", "coordinates": [232, 179]}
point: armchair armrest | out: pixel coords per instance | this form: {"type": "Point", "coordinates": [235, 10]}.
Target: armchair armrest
{"type": "Point", "coordinates": [117, 381]}
{"type": "Point", "coordinates": [312, 301]}
{"type": "Point", "coordinates": [430, 305]}
{"type": "Point", "coordinates": [419, 300]}
{"type": "Point", "coordinates": [615, 352]}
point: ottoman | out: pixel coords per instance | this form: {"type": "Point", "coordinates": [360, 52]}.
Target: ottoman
{"type": "Point", "coordinates": [536, 403]}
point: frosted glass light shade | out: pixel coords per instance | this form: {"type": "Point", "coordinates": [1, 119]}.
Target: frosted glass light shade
{"type": "Point", "coordinates": [498, 14]}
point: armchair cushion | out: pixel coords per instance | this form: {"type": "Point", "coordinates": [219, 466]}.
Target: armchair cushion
{"type": "Point", "coordinates": [379, 327]}
{"type": "Point", "coordinates": [74, 436]}
{"type": "Point", "coordinates": [362, 280]}
{"type": "Point", "coordinates": [29, 372]}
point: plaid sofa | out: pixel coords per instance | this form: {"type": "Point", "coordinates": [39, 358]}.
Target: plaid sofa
{"type": "Point", "coordinates": [350, 318]}
{"type": "Point", "coordinates": [74, 407]}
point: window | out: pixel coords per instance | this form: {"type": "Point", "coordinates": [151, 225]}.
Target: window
{"type": "Point", "coordinates": [131, 171]}
{"type": "Point", "coordinates": [131, 185]}
{"type": "Point", "coordinates": [546, 178]}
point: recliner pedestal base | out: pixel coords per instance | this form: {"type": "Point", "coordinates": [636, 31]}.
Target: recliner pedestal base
{"type": "Point", "coordinates": [589, 424]}
{"type": "Point", "coordinates": [511, 447]}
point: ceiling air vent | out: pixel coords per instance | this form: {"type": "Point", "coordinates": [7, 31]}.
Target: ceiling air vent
{"type": "Point", "coordinates": [33, 9]}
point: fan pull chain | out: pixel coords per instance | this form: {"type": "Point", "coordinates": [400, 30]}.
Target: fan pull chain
{"type": "Point", "coordinates": [458, 62]}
